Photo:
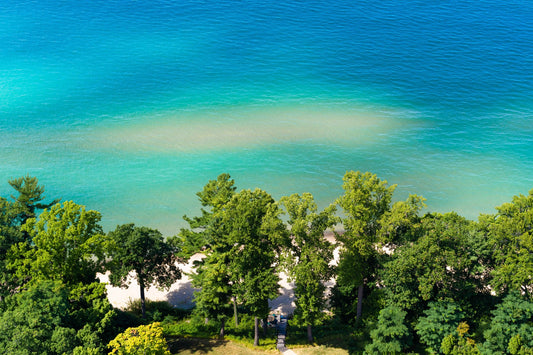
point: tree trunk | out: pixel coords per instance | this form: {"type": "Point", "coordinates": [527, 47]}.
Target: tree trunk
{"type": "Point", "coordinates": [235, 312]}
{"type": "Point", "coordinates": [360, 301]}
{"type": "Point", "coordinates": [256, 335]}
{"type": "Point", "coordinates": [222, 328]}
{"type": "Point", "coordinates": [309, 333]}
{"type": "Point", "coordinates": [265, 325]}
{"type": "Point", "coordinates": [143, 305]}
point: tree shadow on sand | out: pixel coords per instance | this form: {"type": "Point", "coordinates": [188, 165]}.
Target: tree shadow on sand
{"type": "Point", "coordinates": [183, 297]}
{"type": "Point", "coordinates": [283, 303]}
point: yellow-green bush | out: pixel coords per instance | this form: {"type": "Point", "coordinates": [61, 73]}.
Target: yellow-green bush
{"type": "Point", "coordinates": [145, 339]}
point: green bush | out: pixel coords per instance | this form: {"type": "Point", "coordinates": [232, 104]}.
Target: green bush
{"type": "Point", "coordinates": [189, 327]}
{"type": "Point", "coordinates": [156, 311]}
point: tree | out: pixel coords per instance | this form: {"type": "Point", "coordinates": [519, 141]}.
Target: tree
{"type": "Point", "coordinates": [391, 335]}
{"type": "Point", "coordinates": [144, 251]}
{"type": "Point", "coordinates": [441, 319]}
{"type": "Point", "coordinates": [446, 262]}
{"type": "Point", "coordinates": [460, 345]}
{"type": "Point", "coordinates": [402, 224]}
{"type": "Point", "coordinates": [47, 319]}
{"type": "Point", "coordinates": [517, 347]}
{"type": "Point", "coordinates": [30, 196]}
{"type": "Point", "coordinates": [145, 339]}
{"type": "Point", "coordinates": [12, 215]}
{"type": "Point", "coordinates": [66, 252]}
{"type": "Point", "coordinates": [10, 234]}
{"type": "Point", "coordinates": [512, 317]}
{"type": "Point", "coordinates": [213, 279]}
{"type": "Point", "coordinates": [215, 194]}
{"type": "Point", "coordinates": [365, 201]}
{"type": "Point", "coordinates": [309, 256]}
{"type": "Point", "coordinates": [249, 231]}
{"type": "Point", "coordinates": [212, 275]}
{"type": "Point", "coordinates": [67, 245]}
{"type": "Point", "coordinates": [510, 233]}
{"type": "Point", "coordinates": [31, 318]}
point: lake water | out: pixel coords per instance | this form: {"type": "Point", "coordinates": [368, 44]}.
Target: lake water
{"type": "Point", "coordinates": [130, 107]}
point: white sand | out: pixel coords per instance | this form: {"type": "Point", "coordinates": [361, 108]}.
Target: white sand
{"type": "Point", "coordinates": [181, 293]}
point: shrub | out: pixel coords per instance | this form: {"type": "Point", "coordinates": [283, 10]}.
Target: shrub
{"type": "Point", "coordinates": [145, 339]}
{"type": "Point", "coordinates": [156, 311]}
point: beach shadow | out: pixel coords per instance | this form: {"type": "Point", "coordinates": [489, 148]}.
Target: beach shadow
{"type": "Point", "coordinates": [284, 302]}
{"type": "Point", "coordinates": [183, 297]}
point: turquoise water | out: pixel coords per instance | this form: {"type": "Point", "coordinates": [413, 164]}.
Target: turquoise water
{"type": "Point", "coordinates": [130, 107]}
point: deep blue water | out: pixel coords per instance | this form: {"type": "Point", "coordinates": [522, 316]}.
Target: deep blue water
{"type": "Point", "coordinates": [129, 107]}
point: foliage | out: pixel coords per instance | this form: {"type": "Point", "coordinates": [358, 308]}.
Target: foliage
{"type": "Point", "coordinates": [47, 319]}
{"type": "Point", "coordinates": [441, 264]}
{"type": "Point", "coordinates": [156, 311]}
{"type": "Point", "coordinates": [513, 316]}
{"type": "Point", "coordinates": [402, 223]}
{"type": "Point", "coordinates": [516, 346]}
{"type": "Point", "coordinates": [144, 251]}
{"type": "Point", "coordinates": [67, 245]}
{"type": "Point", "coordinates": [391, 335]}
{"type": "Point", "coordinates": [91, 312]}
{"type": "Point", "coordinates": [30, 195]}
{"type": "Point", "coordinates": [10, 234]}
{"type": "Point", "coordinates": [249, 232]}
{"type": "Point", "coordinates": [365, 201]}
{"type": "Point", "coordinates": [510, 232]}
{"type": "Point", "coordinates": [440, 320]}
{"type": "Point", "coordinates": [32, 317]}
{"type": "Point", "coordinates": [215, 194]}
{"type": "Point", "coordinates": [460, 345]}
{"type": "Point", "coordinates": [145, 339]}
{"type": "Point", "coordinates": [12, 215]}
{"type": "Point", "coordinates": [212, 273]}
{"type": "Point", "coordinates": [309, 257]}
{"type": "Point", "coordinates": [213, 279]}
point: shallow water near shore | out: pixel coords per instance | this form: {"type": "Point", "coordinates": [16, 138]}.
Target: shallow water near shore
{"type": "Point", "coordinates": [131, 107]}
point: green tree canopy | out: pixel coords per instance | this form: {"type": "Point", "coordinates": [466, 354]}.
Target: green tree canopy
{"type": "Point", "coordinates": [212, 274]}
{"type": "Point", "coordinates": [12, 215]}
{"type": "Point", "coordinates": [510, 233]}
{"type": "Point", "coordinates": [31, 318]}
{"type": "Point", "coordinates": [309, 256]}
{"type": "Point", "coordinates": [67, 245]}
{"type": "Point", "coordinates": [48, 318]}
{"type": "Point", "coordinates": [30, 195]}
{"type": "Point", "coordinates": [144, 251]}
{"type": "Point", "coordinates": [460, 344]}
{"type": "Point", "coordinates": [391, 335]}
{"type": "Point", "coordinates": [441, 319]}
{"type": "Point", "coordinates": [248, 227]}
{"type": "Point", "coordinates": [442, 263]}
{"type": "Point", "coordinates": [215, 194]}
{"type": "Point", "coordinates": [213, 278]}
{"type": "Point", "coordinates": [512, 317]}
{"type": "Point", "coordinates": [10, 234]}
{"type": "Point", "coordinates": [365, 201]}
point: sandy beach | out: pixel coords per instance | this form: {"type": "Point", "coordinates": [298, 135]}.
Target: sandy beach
{"type": "Point", "coordinates": [181, 293]}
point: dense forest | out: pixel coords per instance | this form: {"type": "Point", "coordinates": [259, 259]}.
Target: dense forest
{"type": "Point", "coordinates": [404, 281]}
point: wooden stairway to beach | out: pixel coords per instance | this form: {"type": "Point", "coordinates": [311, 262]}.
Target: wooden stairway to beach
{"type": "Point", "coordinates": [281, 327]}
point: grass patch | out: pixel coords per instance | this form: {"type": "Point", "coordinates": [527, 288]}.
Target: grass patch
{"type": "Point", "coordinates": [242, 335]}
{"type": "Point", "coordinates": [321, 350]}
{"type": "Point", "coordinates": [196, 346]}
{"type": "Point", "coordinates": [332, 333]}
